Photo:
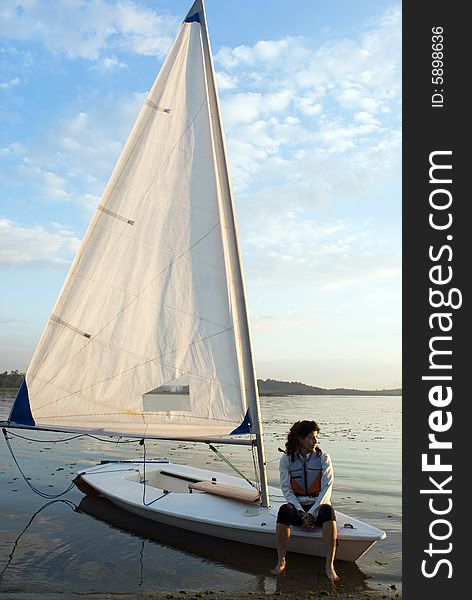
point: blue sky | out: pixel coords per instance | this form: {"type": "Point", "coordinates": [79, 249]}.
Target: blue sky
{"type": "Point", "coordinates": [311, 102]}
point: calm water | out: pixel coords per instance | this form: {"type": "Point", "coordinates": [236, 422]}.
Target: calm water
{"type": "Point", "coordinates": [87, 545]}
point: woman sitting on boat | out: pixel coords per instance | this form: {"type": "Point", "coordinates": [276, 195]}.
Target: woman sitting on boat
{"type": "Point", "coordinates": [306, 478]}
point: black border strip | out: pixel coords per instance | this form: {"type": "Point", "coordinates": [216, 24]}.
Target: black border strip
{"type": "Point", "coordinates": [435, 124]}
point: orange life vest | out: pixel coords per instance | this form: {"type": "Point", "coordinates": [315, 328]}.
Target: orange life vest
{"type": "Point", "coordinates": [305, 475]}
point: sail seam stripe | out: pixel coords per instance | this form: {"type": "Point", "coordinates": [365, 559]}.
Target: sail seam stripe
{"type": "Point", "coordinates": [149, 245]}
{"type": "Point", "coordinates": [110, 414]}
{"type": "Point", "coordinates": [180, 371]}
{"type": "Point", "coordinates": [55, 319]}
{"type": "Point", "coordinates": [149, 300]}
{"type": "Point", "coordinates": [157, 358]}
{"type": "Point", "coordinates": [183, 150]}
{"type": "Point", "coordinates": [173, 368]}
{"type": "Point", "coordinates": [139, 295]}
{"type": "Point", "coordinates": [115, 215]}
{"type": "Point", "coordinates": [153, 105]}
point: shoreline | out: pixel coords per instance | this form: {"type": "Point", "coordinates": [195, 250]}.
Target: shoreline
{"type": "Point", "coordinates": [293, 390]}
{"type": "Point", "coordinates": [335, 594]}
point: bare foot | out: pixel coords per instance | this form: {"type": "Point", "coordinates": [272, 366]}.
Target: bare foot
{"type": "Point", "coordinates": [331, 573]}
{"type": "Point", "coordinates": [279, 568]}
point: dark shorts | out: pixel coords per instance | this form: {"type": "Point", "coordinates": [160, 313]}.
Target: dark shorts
{"type": "Point", "coordinates": [288, 515]}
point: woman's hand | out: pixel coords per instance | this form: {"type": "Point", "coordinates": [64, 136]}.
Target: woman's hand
{"type": "Point", "coordinates": [308, 521]}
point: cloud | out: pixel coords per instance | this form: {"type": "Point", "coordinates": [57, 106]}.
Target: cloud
{"type": "Point", "coordinates": [292, 249]}
{"type": "Point", "coordinates": [225, 81]}
{"type": "Point", "coordinates": [278, 54]}
{"type": "Point", "coordinates": [246, 107]}
{"type": "Point", "coordinates": [72, 160]}
{"type": "Point", "coordinates": [308, 106]}
{"type": "Point", "coordinates": [35, 246]}
{"type": "Point", "coordinates": [109, 64]}
{"type": "Point", "coordinates": [51, 185]}
{"type": "Point", "coordinates": [313, 128]}
{"type": "Point", "coordinates": [371, 61]}
{"type": "Point", "coordinates": [345, 96]}
{"type": "Point", "coordinates": [86, 29]}
{"type": "Point", "coordinates": [5, 85]}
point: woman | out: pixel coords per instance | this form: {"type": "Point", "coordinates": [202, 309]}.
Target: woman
{"type": "Point", "coordinates": [306, 478]}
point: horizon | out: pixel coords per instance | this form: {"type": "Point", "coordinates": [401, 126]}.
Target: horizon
{"type": "Point", "coordinates": [311, 107]}
{"type": "Point", "coordinates": [381, 389]}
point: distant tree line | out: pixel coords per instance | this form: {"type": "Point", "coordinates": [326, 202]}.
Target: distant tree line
{"type": "Point", "coordinates": [269, 387]}
{"type": "Point", "coordinates": [12, 379]}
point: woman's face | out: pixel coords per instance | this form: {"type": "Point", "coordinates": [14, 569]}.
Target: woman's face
{"type": "Point", "coordinates": [309, 442]}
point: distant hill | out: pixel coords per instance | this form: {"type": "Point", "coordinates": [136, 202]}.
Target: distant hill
{"type": "Point", "coordinates": [271, 387]}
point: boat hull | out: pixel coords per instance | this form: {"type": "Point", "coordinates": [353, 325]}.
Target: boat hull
{"type": "Point", "coordinates": [223, 517]}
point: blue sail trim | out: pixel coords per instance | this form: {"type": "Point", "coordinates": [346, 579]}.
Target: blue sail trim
{"type": "Point", "coordinates": [195, 18]}
{"type": "Point", "coordinates": [21, 410]}
{"type": "Point", "coordinates": [245, 426]}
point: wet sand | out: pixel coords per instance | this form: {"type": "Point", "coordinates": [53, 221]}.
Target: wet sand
{"type": "Point", "coordinates": [336, 594]}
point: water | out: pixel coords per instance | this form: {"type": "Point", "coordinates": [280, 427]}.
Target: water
{"type": "Point", "coordinates": [88, 546]}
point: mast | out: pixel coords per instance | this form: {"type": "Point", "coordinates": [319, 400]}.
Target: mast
{"type": "Point", "coordinates": [233, 246]}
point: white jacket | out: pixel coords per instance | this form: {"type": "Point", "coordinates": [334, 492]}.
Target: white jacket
{"type": "Point", "coordinates": [321, 462]}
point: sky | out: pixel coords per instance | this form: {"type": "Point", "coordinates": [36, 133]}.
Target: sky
{"type": "Point", "coordinates": [310, 94]}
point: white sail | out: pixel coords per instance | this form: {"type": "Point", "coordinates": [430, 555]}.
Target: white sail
{"type": "Point", "coordinates": [145, 336]}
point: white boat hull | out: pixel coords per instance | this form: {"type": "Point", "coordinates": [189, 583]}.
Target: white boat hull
{"type": "Point", "coordinates": [166, 498]}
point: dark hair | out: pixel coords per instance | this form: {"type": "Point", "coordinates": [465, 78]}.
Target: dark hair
{"type": "Point", "coordinates": [300, 429]}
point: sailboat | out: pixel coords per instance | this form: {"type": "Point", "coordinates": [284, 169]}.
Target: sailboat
{"type": "Point", "coordinates": [149, 337]}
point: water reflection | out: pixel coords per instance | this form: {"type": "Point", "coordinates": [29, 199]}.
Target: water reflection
{"type": "Point", "coordinates": [304, 573]}
{"type": "Point", "coordinates": [11, 556]}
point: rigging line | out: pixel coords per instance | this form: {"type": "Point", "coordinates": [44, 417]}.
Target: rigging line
{"type": "Point", "coordinates": [143, 444]}
{"type": "Point", "coordinates": [94, 437]}
{"type": "Point", "coordinates": [141, 564]}
{"type": "Point", "coordinates": [151, 301]}
{"type": "Point", "coordinates": [23, 437]}
{"type": "Point", "coordinates": [70, 504]}
{"type": "Point", "coordinates": [29, 484]}
{"type": "Point", "coordinates": [156, 358]}
{"type": "Point", "coordinates": [256, 470]}
{"type": "Point", "coordinates": [110, 471]}
{"type": "Point", "coordinates": [95, 225]}
{"type": "Point", "coordinates": [228, 462]}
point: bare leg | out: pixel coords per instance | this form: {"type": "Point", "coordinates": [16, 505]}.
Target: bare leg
{"type": "Point", "coordinates": [282, 535]}
{"type": "Point", "coordinates": [330, 534]}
